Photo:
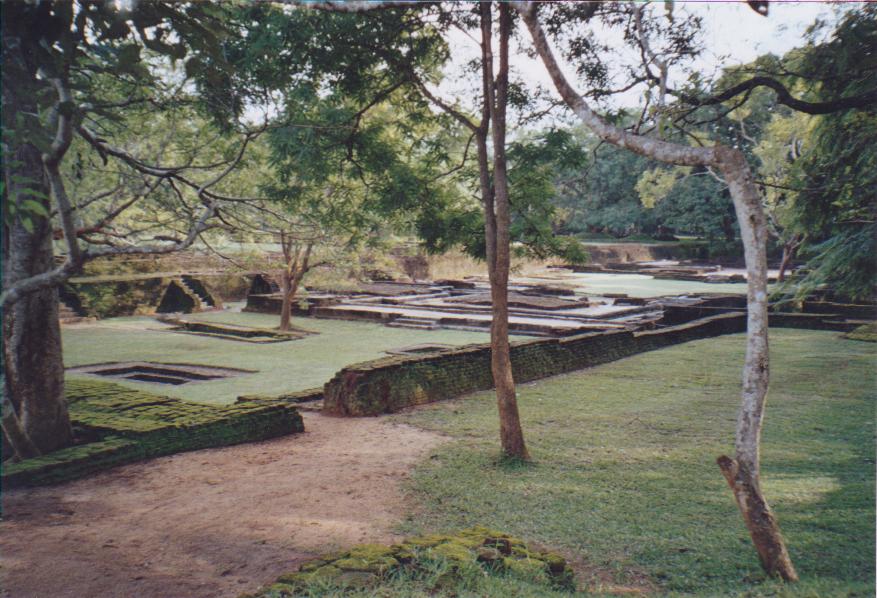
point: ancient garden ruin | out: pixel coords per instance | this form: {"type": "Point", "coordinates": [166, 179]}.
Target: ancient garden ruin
{"type": "Point", "coordinates": [392, 298]}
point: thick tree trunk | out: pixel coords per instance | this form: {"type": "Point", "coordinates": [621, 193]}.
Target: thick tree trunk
{"type": "Point", "coordinates": [34, 368]}
{"type": "Point", "coordinates": [497, 221]}
{"type": "Point", "coordinates": [743, 472]}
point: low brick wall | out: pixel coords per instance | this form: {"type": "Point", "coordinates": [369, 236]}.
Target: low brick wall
{"type": "Point", "coordinates": [390, 384]}
{"type": "Point", "coordinates": [393, 383]}
{"type": "Point", "coordinates": [131, 425]}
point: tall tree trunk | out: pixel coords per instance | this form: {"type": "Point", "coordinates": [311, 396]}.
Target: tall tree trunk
{"type": "Point", "coordinates": [741, 473]}
{"type": "Point", "coordinates": [497, 221]}
{"type": "Point", "coordinates": [290, 264]}
{"type": "Point", "coordinates": [286, 302]}
{"type": "Point", "coordinates": [35, 418]}
{"type": "Point", "coordinates": [34, 368]}
{"type": "Point", "coordinates": [790, 247]}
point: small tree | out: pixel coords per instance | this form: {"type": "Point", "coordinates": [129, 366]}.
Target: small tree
{"type": "Point", "coordinates": [302, 234]}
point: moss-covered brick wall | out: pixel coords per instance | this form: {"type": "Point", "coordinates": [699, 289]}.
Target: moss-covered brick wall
{"type": "Point", "coordinates": [130, 425]}
{"type": "Point", "coordinates": [389, 384]}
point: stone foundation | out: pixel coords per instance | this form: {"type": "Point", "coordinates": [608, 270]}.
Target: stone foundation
{"type": "Point", "coordinates": [123, 425]}
{"type": "Point", "coordinates": [393, 383]}
{"type": "Point", "coordinates": [390, 384]}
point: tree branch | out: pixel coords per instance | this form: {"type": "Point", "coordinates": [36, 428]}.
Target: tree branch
{"type": "Point", "coordinates": [783, 96]}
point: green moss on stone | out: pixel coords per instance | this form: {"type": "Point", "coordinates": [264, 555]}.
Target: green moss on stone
{"type": "Point", "coordinates": [379, 565]}
{"type": "Point", "coordinates": [427, 541]}
{"type": "Point", "coordinates": [135, 425]}
{"type": "Point", "coordinates": [454, 552]}
{"type": "Point", "coordinates": [458, 556]}
{"type": "Point", "coordinates": [371, 551]}
{"type": "Point", "coordinates": [556, 563]}
{"type": "Point", "coordinates": [866, 332]}
{"type": "Point", "coordinates": [530, 569]}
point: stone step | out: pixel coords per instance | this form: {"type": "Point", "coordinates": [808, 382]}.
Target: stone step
{"type": "Point", "coordinates": [418, 323]}
{"type": "Point", "coordinates": [466, 328]}
{"type": "Point", "coordinates": [205, 299]}
{"type": "Point", "coordinates": [67, 314]}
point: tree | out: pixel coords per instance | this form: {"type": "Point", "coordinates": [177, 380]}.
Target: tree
{"type": "Point", "coordinates": [489, 130]}
{"type": "Point", "coordinates": [297, 234]}
{"type": "Point", "coordinates": [742, 472]}
{"type": "Point", "coordinates": [831, 209]}
{"type": "Point", "coordinates": [75, 72]}
{"type": "Point", "coordinates": [58, 58]}
{"type": "Point", "coordinates": [494, 192]}
{"type": "Point", "coordinates": [779, 147]}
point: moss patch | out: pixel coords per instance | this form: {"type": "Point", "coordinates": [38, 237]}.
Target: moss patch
{"type": "Point", "coordinates": [131, 425]}
{"type": "Point", "coordinates": [866, 332]}
{"type": "Point", "coordinates": [444, 561]}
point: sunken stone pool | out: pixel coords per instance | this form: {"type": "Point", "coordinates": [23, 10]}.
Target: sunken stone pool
{"type": "Point", "coordinates": [159, 373]}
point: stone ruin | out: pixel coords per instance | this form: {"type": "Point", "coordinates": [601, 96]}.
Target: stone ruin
{"type": "Point", "coordinates": [536, 309]}
{"type": "Point", "coordinates": [84, 298]}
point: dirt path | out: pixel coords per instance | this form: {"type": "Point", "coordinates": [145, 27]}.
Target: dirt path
{"type": "Point", "coordinates": [210, 523]}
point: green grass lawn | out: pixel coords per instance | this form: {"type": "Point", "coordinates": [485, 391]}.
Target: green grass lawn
{"type": "Point", "coordinates": [282, 367]}
{"type": "Point", "coordinates": [624, 474]}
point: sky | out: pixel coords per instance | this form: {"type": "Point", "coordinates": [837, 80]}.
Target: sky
{"type": "Point", "coordinates": [733, 34]}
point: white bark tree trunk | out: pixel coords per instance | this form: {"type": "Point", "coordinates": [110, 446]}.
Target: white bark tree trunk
{"type": "Point", "coordinates": [741, 473]}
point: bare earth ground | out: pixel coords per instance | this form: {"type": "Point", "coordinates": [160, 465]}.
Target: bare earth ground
{"type": "Point", "coordinates": [214, 523]}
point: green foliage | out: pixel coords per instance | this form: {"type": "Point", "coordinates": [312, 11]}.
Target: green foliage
{"type": "Point", "coordinates": [701, 205]}
{"type": "Point", "coordinates": [656, 184]}
{"type": "Point", "coordinates": [605, 199]}
{"type": "Point", "coordinates": [836, 206]}
{"type": "Point", "coordinates": [533, 166]}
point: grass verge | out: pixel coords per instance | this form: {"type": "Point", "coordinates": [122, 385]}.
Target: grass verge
{"type": "Point", "coordinates": [624, 476]}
